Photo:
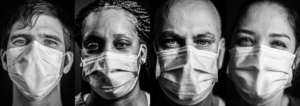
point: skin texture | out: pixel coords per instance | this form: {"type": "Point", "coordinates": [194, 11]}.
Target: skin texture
{"type": "Point", "coordinates": [259, 25]}
{"type": "Point", "coordinates": [182, 19]}
{"type": "Point", "coordinates": [111, 30]}
{"type": "Point", "coordinates": [42, 25]}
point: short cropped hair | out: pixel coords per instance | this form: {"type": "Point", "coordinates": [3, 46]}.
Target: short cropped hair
{"type": "Point", "coordinates": [30, 8]}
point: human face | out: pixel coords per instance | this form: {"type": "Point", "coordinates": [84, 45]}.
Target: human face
{"type": "Point", "coordinates": [265, 24]}
{"type": "Point", "coordinates": [46, 30]}
{"type": "Point", "coordinates": [109, 30]}
{"type": "Point", "coordinates": [187, 23]}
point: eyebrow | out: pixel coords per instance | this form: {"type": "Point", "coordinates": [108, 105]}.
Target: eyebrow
{"type": "Point", "coordinates": [206, 34]}
{"type": "Point", "coordinates": [279, 35]}
{"type": "Point", "coordinates": [121, 35]}
{"type": "Point", "coordinates": [245, 31]}
{"type": "Point", "coordinates": [52, 37]}
{"type": "Point", "coordinates": [21, 35]}
{"type": "Point", "coordinates": [170, 34]}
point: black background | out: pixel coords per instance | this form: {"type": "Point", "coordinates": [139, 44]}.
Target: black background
{"type": "Point", "coordinates": [67, 81]}
{"type": "Point", "coordinates": [81, 85]}
{"type": "Point", "coordinates": [232, 7]}
{"type": "Point", "coordinates": [219, 88]}
{"type": "Point", "coordinates": [72, 84]}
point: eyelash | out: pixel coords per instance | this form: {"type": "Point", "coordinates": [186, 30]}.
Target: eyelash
{"type": "Point", "coordinates": [171, 43]}
{"type": "Point", "coordinates": [91, 46]}
{"type": "Point", "coordinates": [50, 42]}
{"type": "Point", "coordinates": [207, 41]}
{"type": "Point", "coordinates": [122, 44]}
{"type": "Point", "coordinates": [16, 42]}
{"type": "Point", "coordinates": [281, 44]}
{"type": "Point", "coordinates": [245, 40]}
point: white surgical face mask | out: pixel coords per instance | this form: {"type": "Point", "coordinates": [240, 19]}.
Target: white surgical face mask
{"type": "Point", "coordinates": [34, 69]}
{"type": "Point", "coordinates": [187, 74]}
{"type": "Point", "coordinates": [261, 73]}
{"type": "Point", "coordinates": [112, 75]}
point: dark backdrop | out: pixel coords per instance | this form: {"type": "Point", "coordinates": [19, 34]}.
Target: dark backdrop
{"type": "Point", "coordinates": [232, 7]}
{"type": "Point", "coordinates": [219, 88]}
{"type": "Point", "coordinates": [81, 85]}
{"type": "Point", "coordinates": [67, 81]}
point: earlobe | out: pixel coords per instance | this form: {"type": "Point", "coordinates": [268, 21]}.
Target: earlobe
{"type": "Point", "coordinates": [221, 53]}
{"type": "Point", "coordinates": [3, 59]}
{"type": "Point", "coordinates": [70, 58]}
{"type": "Point", "coordinates": [297, 59]}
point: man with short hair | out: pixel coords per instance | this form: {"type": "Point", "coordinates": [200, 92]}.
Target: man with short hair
{"type": "Point", "coordinates": [190, 51]}
{"type": "Point", "coordinates": [36, 51]}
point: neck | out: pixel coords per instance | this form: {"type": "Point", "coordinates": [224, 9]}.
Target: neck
{"type": "Point", "coordinates": [280, 100]}
{"type": "Point", "coordinates": [136, 97]}
{"type": "Point", "coordinates": [163, 100]}
{"type": "Point", "coordinates": [52, 99]}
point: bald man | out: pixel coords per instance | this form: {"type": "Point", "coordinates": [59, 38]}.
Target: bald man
{"type": "Point", "coordinates": [190, 51]}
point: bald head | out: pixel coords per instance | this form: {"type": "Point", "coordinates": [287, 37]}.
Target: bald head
{"type": "Point", "coordinates": [193, 21]}
{"type": "Point", "coordinates": [188, 13]}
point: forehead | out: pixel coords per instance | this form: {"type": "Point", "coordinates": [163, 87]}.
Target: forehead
{"type": "Point", "coordinates": [111, 20]}
{"type": "Point", "coordinates": [41, 24]}
{"type": "Point", "coordinates": [266, 18]}
{"type": "Point", "coordinates": [192, 15]}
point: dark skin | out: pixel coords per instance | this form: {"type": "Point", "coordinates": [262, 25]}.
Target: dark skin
{"type": "Point", "coordinates": [111, 30]}
{"type": "Point", "coordinates": [181, 26]}
{"type": "Point", "coordinates": [49, 32]}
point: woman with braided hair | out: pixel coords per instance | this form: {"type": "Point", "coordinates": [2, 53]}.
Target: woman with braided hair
{"type": "Point", "coordinates": [113, 36]}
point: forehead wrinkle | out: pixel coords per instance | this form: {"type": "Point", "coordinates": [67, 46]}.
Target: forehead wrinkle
{"type": "Point", "coordinates": [40, 24]}
{"type": "Point", "coordinates": [100, 22]}
{"type": "Point", "coordinates": [177, 8]}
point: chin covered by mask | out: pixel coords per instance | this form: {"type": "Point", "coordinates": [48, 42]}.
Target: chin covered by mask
{"type": "Point", "coordinates": [261, 73]}
{"type": "Point", "coordinates": [111, 75]}
{"type": "Point", "coordinates": [34, 69]}
{"type": "Point", "coordinates": [187, 75]}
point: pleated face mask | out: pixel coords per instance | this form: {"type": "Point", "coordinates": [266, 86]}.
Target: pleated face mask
{"type": "Point", "coordinates": [261, 73]}
{"type": "Point", "coordinates": [112, 75]}
{"type": "Point", "coordinates": [187, 74]}
{"type": "Point", "coordinates": [34, 69]}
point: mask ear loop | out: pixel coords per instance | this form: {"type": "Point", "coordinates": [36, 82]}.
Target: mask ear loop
{"type": "Point", "coordinates": [7, 64]}
{"type": "Point", "coordinates": [289, 82]}
{"type": "Point", "coordinates": [138, 71]}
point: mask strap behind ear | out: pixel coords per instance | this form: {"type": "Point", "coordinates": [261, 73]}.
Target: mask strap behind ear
{"type": "Point", "coordinates": [5, 53]}
{"type": "Point", "coordinates": [140, 50]}
{"type": "Point", "coordinates": [219, 44]}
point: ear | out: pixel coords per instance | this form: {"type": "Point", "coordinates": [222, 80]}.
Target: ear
{"type": "Point", "coordinates": [221, 53]}
{"type": "Point", "coordinates": [297, 59]}
{"type": "Point", "coordinates": [69, 61]}
{"type": "Point", "coordinates": [3, 59]}
{"type": "Point", "coordinates": [143, 55]}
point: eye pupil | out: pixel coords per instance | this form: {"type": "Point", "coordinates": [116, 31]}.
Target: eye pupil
{"type": "Point", "coordinates": [92, 46]}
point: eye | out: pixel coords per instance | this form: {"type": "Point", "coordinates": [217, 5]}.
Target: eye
{"type": "Point", "coordinates": [122, 44]}
{"type": "Point", "coordinates": [278, 44]}
{"type": "Point", "coordinates": [245, 41]}
{"type": "Point", "coordinates": [50, 43]}
{"type": "Point", "coordinates": [20, 42]}
{"type": "Point", "coordinates": [171, 43]}
{"type": "Point", "coordinates": [203, 42]}
{"type": "Point", "coordinates": [92, 46]}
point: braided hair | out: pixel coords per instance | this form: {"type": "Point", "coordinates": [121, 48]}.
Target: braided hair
{"type": "Point", "coordinates": [136, 13]}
